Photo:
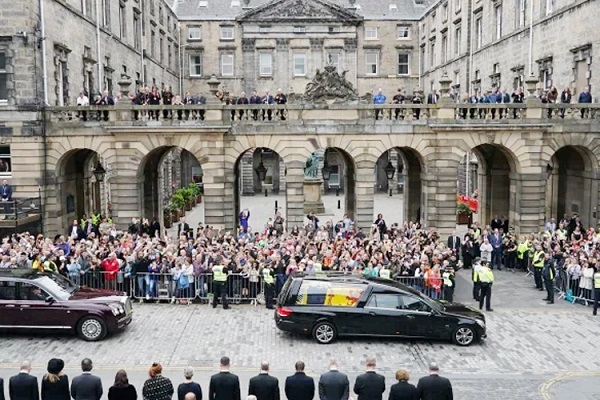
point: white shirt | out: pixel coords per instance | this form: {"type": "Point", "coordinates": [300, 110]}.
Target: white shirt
{"type": "Point", "coordinates": [83, 101]}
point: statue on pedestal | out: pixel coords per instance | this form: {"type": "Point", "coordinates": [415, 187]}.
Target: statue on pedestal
{"type": "Point", "coordinates": [312, 166]}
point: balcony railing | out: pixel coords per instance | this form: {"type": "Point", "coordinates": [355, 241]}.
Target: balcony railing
{"type": "Point", "coordinates": [247, 114]}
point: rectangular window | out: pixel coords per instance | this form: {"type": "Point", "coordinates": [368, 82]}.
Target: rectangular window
{"type": "Point", "coordinates": [195, 64]}
{"type": "Point", "coordinates": [122, 21]}
{"type": "Point", "coordinates": [105, 13]}
{"type": "Point", "coordinates": [334, 58]}
{"type": "Point", "coordinates": [445, 12]}
{"type": "Point", "coordinates": [60, 82]}
{"type": "Point", "coordinates": [299, 64]}
{"type": "Point", "coordinates": [371, 33]}
{"type": "Point", "coordinates": [478, 33]}
{"type": "Point", "coordinates": [444, 48]}
{"type": "Point", "coordinates": [266, 64]}
{"type": "Point", "coordinates": [457, 40]}
{"type": "Point", "coordinates": [227, 33]}
{"type": "Point", "coordinates": [299, 29]}
{"type": "Point", "coordinates": [161, 52]}
{"type": "Point", "coordinates": [372, 63]}
{"type": "Point", "coordinates": [195, 33]}
{"type": "Point", "coordinates": [137, 31]}
{"type": "Point", "coordinates": [152, 43]}
{"type": "Point", "coordinates": [403, 62]}
{"type": "Point", "coordinates": [422, 63]}
{"type": "Point", "coordinates": [170, 56]}
{"type": "Point", "coordinates": [549, 6]}
{"type": "Point", "coordinates": [263, 29]}
{"type": "Point", "coordinates": [334, 176]}
{"type": "Point", "coordinates": [498, 13]}
{"type": "Point", "coordinates": [5, 161]}
{"type": "Point", "coordinates": [457, 5]}
{"type": "Point", "coordinates": [226, 64]}
{"type": "Point", "coordinates": [3, 79]}
{"type": "Point", "coordinates": [403, 32]}
{"type": "Point", "coordinates": [521, 13]}
{"type": "Point", "coordinates": [432, 54]}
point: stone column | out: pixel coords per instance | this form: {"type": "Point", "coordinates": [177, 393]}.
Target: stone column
{"type": "Point", "coordinates": [249, 66]}
{"type": "Point", "coordinates": [364, 201]}
{"type": "Point", "coordinates": [439, 187]}
{"type": "Point", "coordinates": [294, 192]}
{"type": "Point", "coordinates": [281, 68]}
{"type": "Point", "coordinates": [350, 61]}
{"type": "Point", "coordinates": [534, 105]}
{"type": "Point", "coordinates": [125, 198]}
{"type": "Point", "coordinates": [446, 104]}
{"type": "Point", "coordinates": [316, 55]}
{"type": "Point", "coordinates": [219, 196]}
{"type": "Point", "coordinates": [530, 201]}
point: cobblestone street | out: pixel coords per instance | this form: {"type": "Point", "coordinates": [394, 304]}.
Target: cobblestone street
{"type": "Point", "coordinates": [528, 344]}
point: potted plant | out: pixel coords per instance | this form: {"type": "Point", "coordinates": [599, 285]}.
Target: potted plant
{"type": "Point", "coordinates": [195, 190]}
{"type": "Point", "coordinates": [178, 202]}
{"type": "Point", "coordinates": [463, 214]}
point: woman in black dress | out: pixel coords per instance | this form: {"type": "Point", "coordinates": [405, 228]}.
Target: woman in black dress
{"type": "Point", "coordinates": [122, 390]}
{"type": "Point", "coordinates": [403, 390]}
{"type": "Point", "coordinates": [55, 384]}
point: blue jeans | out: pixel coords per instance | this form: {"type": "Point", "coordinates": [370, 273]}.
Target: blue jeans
{"type": "Point", "coordinates": [151, 286]}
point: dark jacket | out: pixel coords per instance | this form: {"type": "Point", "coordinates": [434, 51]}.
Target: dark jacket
{"type": "Point", "coordinates": [158, 388]}
{"type": "Point", "coordinates": [58, 390]}
{"type": "Point", "coordinates": [369, 386]}
{"type": "Point", "coordinates": [299, 387]}
{"type": "Point", "coordinates": [264, 387]}
{"type": "Point", "coordinates": [23, 387]}
{"type": "Point", "coordinates": [334, 385]}
{"type": "Point", "coordinates": [434, 387]}
{"type": "Point", "coordinates": [189, 387]}
{"type": "Point", "coordinates": [452, 245]}
{"type": "Point", "coordinates": [122, 393]}
{"type": "Point", "coordinates": [6, 192]}
{"type": "Point", "coordinates": [86, 387]}
{"type": "Point", "coordinates": [1, 389]}
{"type": "Point", "coordinates": [403, 391]}
{"type": "Point", "coordinates": [224, 386]}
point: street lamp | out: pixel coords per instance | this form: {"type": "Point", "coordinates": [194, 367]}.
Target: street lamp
{"type": "Point", "coordinates": [99, 172]}
{"type": "Point", "coordinates": [261, 172]}
{"type": "Point", "coordinates": [326, 171]}
{"type": "Point", "coordinates": [389, 172]}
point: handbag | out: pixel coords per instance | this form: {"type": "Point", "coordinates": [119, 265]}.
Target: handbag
{"type": "Point", "coordinates": [183, 282]}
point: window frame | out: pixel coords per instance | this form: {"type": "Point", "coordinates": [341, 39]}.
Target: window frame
{"type": "Point", "coordinates": [498, 14]}
{"type": "Point", "coordinates": [373, 298]}
{"type": "Point", "coordinates": [478, 32]}
{"type": "Point", "coordinates": [194, 65]}
{"type": "Point", "coordinates": [295, 57]}
{"type": "Point", "coordinates": [399, 64]}
{"type": "Point", "coordinates": [371, 29]}
{"type": "Point", "coordinates": [197, 29]}
{"type": "Point", "coordinates": [338, 55]}
{"type": "Point", "coordinates": [4, 76]}
{"type": "Point", "coordinates": [521, 13]}
{"type": "Point", "coordinates": [549, 7]}
{"type": "Point", "coordinates": [227, 28]}
{"type": "Point", "coordinates": [407, 30]}
{"type": "Point", "coordinates": [368, 64]}
{"type": "Point", "coordinates": [223, 64]}
{"type": "Point", "coordinates": [8, 158]}
{"type": "Point", "coordinates": [262, 65]}
{"type": "Point", "coordinates": [457, 40]}
{"type": "Point", "coordinates": [122, 20]}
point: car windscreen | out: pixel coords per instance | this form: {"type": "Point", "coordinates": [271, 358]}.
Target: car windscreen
{"type": "Point", "coordinates": [58, 286]}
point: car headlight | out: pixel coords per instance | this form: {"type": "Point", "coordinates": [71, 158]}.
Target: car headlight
{"type": "Point", "coordinates": [480, 322]}
{"type": "Point", "coordinates": [116, 309]}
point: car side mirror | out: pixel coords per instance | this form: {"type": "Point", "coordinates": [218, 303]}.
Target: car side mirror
{"type": "Point", "coordinates": [49, 299]}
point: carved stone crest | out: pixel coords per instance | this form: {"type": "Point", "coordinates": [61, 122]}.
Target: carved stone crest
{"type": "Point", "coordinates": [329, 85]}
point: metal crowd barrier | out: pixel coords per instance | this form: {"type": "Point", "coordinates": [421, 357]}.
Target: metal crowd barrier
{"type": "Point", "coordinates": [430, 287]}
{"type": "Point", "coordinates": [572, 289]}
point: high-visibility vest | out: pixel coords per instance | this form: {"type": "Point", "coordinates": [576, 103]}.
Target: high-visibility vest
{"type": "Point", "coordinates": [522, 249]}
{"type": "Point", "coordinates": [486, 275]}
{"type": "Point", "coordinates": [447, 280]}
{"type": "Point", "coordinates": [49, 266]}
{"type": "Point", "coordinates": [538, 259]}
{"type": "Point", "coordinates": [266, 272]}
{"type": "Point", "coordinates": [384, 273]}
{"type": "Point", "coordinates": [218, 274]}
{"type": "Point", "coordinates": [561, 234]}
{"type": "Point", "coordinates": [597, 280]}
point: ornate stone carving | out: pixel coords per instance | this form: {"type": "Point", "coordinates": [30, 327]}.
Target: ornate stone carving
{"type": "Point", "coordinates": [282, 43]}
{"type": "Point", "coordinates": [316, 43]}
{"type": "Point", "coordinates": [350, 44]}
{"type": "Point", "coordinates": [248, 44]}
{"type": "Point", "coordinates": [329, 85]}
{"type": "Point", "coordinates": [301, 11]}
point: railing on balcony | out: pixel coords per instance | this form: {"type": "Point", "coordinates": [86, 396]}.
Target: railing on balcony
{"type": "Point", "coordinates": [20, 215]}
{"type": "Point", "coordinates": [389, 113]}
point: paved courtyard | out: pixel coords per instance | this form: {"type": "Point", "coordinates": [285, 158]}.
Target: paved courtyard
{"type": "Point", "coordinates": [533, 351]}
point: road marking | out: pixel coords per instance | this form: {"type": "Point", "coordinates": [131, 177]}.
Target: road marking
{"type": "Point", "coordinates": [545, 387]}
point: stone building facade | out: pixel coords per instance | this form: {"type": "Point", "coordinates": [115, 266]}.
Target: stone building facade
{"type": "Point", "coordinates": [268, 45]}
{"type": "Point", "coordinates": [484, 44]}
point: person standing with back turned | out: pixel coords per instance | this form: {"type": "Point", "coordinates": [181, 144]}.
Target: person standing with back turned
{"type": "Point", "coordinates": [224, 385]}
{"type": "Point", "coordinates": [370, 385]}
{"type": "Point", "coordinates": [434, 387]}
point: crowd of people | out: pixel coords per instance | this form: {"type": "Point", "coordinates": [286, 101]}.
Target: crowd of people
{"type": "Point", "coordinates": [332, 385]}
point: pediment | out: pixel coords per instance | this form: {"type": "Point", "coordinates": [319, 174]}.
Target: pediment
{"type": "Point", "coordinates": [301, 11]}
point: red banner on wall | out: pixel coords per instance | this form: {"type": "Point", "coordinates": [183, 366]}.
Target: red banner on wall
{"type": "Point", "coordinates": [471, 202]}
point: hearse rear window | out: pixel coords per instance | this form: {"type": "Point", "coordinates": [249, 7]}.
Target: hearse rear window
{"type": "Point", "coordinates": [325, 293]}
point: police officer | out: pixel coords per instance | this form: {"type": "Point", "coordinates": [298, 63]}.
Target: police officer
{"type": "Point", "coordinates": [486, 279]}
{"type": "Point", "coordinates": [220, 273]}
{"type": "Point", "coordinates": [448, 278]}
{"type": "Point", "coordinates": [269, 280]}
{"type": "Point", "coordinates": [538, 266]}
{"type": "Point", "coordinates": [475, 277]}
{"type": "Point", "coordinates": [596, 290]}
{"type": "Point", "coordinates": [548, 273]}
{"type": "Point", "coordinates": [523, 254]}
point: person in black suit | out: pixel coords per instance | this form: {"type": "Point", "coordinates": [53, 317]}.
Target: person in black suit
{"type": "Point", "coordinates": [224, 385]}
{"type": "Point", "coordinates": [75, 231]}
{"type": "Point", "coordinates": [454, 243]}
{"type": "Point", "coordinates": [370, 385]}
{"type": "Point", "coordinates": [264, 386]}
{"type": "Point", "coordinates": [334, 385]}
{"type": "Point", "coordinates": [434, 387]}
{"type": "Point", "coordinates": [433, 97]}
{"type": "Point", "coordinates": [86, 386]}
{"type": "Point", "coordinates": [55, 384]}
{"type": "Point", "coordinates": [2, 389]}
{"type": "Point", "coordinates": [183, 229]}
{"type": "Point", "coordinates": [299, 386]}
{"type": "Point", "coordinates": [6, 193]}
{"type": "Point", "coordinates": [403, 390]}
{"type": "Point", "coordinates": [23, 386]}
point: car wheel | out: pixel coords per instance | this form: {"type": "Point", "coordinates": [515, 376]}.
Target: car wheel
{"type": "Point", "coordinates": [91, 329]}
{"type": "Point", "coordinates": [464, 335]}
{"type": "Point", "coordinates": [324, 332]}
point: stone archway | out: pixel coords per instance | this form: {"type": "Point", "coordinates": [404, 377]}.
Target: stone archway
{"type": "Point", "coordinates": [264, 199]}
{"type": "Point", "coordinates": [79, 193]}
{"type": "Point", "coordinates": [496, 168]}
{"type": "Point", "coordinates": [161, 172]}
{"type": "Point", "coordinates": [406, 185]}
{"type": "Point", "coordinates": [571, 185]}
